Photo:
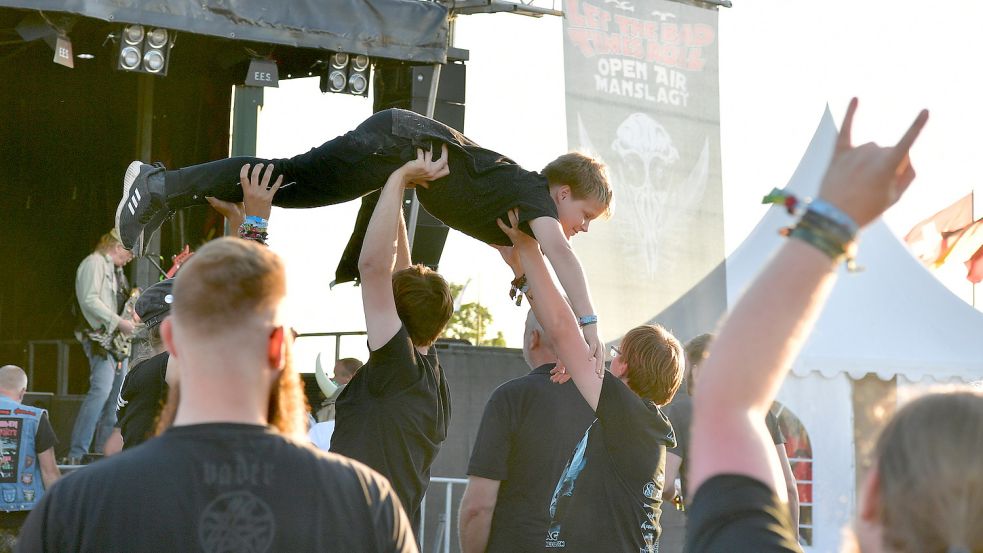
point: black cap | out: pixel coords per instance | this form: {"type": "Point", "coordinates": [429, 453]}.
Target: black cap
{"type": "Point", "coordinates": [155, 303]}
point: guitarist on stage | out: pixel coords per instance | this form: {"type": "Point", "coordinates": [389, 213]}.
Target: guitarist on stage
{"type": "Point", "coordinates": [102, 292]}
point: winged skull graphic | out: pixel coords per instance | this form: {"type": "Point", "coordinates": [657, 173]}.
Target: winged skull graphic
{"type": "Point", "coordinates": [649, 205]}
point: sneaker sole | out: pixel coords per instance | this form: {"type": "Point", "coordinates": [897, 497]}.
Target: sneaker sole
{"type": "Point", "coordinates": [132, 172]}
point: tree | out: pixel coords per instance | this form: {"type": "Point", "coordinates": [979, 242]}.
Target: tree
{"type": "Point", "coordinates": [470, 322]}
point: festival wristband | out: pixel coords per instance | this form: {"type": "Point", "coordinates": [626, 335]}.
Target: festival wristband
{"type": "Point", "coordinates": [587, 320]}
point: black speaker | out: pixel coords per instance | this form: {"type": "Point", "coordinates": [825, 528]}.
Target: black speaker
{"type": "Point", "coordinates": [431, 234]}
{"type": "Point", "coordinates": [41, 400]}
{"type": "Point", "coordinates": [64, 410]}
{"type": "Point", "coordinates": [405, 86]}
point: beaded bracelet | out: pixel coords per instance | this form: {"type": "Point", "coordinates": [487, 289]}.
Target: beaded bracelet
{"type": "Point", "coordinates": [822, 225]}
{"type": "Point", "coordinates": [794, 206]}
{"type": "Point", "coordinates": [818, 234]}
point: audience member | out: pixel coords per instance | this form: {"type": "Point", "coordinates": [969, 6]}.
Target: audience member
{"type": "Point", "coordinates": [527, 432]}
{"type": "Point", "coordinates": [394, 413]}
{"type": "Point", "coordinates": [231, 473]}
{"type": "Point", "coordinates": [680, 414]}
{"type": "Point", "coordinates": [321, 432]}
{"type": "Point", "coordinates": [28, 466]}
{"type": "Point", "coordinates": [907, 503]}
{"type": "Point", "coordinates": [616, 471]}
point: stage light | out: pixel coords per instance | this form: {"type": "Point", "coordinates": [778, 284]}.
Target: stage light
{"type": "Point", "coordinates": [347, 73]}
{"type": "Point", "coordinates": [339, 60]}
{"type": "Point", "coordinates": [153, 61]}
{"type": "Point", "coordinates": [145, 51]}
{"type": "Point", "coordinates": [358, 84]}
{"type": "Point", "coordinates": [157, 38]}
{"type": "Point", "coordinates": [133, 34]}
{"type": "Point", "coordinates": [360, 62]}
{"type": "Point", "coordinates": [129, 58]}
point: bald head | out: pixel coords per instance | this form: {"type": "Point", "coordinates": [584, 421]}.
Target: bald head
{"type": "Point", "coordinates": [537, 349]}
{"type": "Point", "coordinates": [13, 382]}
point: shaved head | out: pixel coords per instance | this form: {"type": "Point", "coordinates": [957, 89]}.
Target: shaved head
{"type": "Point", "coordinates": [13, 379]}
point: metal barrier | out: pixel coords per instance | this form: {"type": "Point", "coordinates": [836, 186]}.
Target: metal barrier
{"type": "Point", "coordinates": [442, 543]}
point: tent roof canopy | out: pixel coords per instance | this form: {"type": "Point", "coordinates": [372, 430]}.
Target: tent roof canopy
{"type": "Point", "coordinates": [407, 30]}
{"type": "Point", "coordinates": [892, 318]}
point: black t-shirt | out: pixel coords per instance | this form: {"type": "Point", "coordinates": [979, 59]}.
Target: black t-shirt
{"type": "Point", "coordinates": [482, 186]}
{"type": "Point", "coordinates": [529, 428]}
{"type": "Point", "coordinates": [680, 413]}
{"type": "Point", "coordinates": [738, 514]}
{"type": "Point", "coordinates": [393, 416]}
{"type": "Point", "coordinates": [45, 437]}
{"type": "Point", "coordinates": [610, 494]}
{"type": "Point", "coordinates": [141, 396]}
{"type": "Point", "coordinates": [215, 488]}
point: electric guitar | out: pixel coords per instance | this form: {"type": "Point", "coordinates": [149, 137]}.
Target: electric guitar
{"type": "Point", "coordinates": [117, 343]}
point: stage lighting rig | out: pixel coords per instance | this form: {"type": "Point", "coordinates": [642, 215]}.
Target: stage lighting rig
{"type": "Point", "coordinates": [346, 73]}
{"type": "Point", "coordinates": [145, 51]}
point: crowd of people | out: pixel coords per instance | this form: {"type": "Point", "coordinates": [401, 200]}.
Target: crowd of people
{"type": "Point", "coordinates": [215, 448]}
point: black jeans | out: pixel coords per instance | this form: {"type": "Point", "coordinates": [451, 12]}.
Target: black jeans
{"type": "Point", "coordinates": [340, 170]}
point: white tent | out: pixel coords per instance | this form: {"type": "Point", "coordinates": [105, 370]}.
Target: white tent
{"type": "Point", "coordinates": [894, 319]}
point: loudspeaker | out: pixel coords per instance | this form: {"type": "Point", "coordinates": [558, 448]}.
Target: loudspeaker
{"type": "Point", "coordinates": [41, 400]}
{"type": "Point", "coordinates": [431, 234]}
{"type": "Point", "coordinates": [64, 410]}
{"type": "Point", "coordinates": [405, 86]}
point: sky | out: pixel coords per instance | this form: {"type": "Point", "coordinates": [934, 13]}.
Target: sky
{"type": "Point", "coordinates": [781, 63]}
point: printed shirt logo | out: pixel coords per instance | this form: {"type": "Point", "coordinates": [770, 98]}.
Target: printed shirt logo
{"type": "Point", "coordinates": [236, 522]}
{"type": "Point", "coordinates": [649, 490]}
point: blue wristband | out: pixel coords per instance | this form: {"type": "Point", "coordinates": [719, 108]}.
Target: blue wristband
{"type": "Point", "coordinates": [587, 320]}
{"type": "Point", "coordinates": [825, 209]}
{"type": "Point", "coordinates": [256, 220]}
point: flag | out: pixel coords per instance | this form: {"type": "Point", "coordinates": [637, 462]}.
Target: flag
{"type": "Point", "coordinates": [930, 239]}
{"type": "Point", "coordinates": [948, 236]}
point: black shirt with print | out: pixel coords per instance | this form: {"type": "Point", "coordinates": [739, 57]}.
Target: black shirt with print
{"type": "Point", "coordinates": [610, 495]}
{"type": "Point", "coordinates": [527, 432]}
{"type": "Point", "coordinates": [219, 487]}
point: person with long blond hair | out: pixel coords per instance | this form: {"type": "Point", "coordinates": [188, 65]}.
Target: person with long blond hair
{"type": "Point", "coordinates": [925, 491]}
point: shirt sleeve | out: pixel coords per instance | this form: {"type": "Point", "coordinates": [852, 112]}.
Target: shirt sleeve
{"type": "Point", "coordinates": [493, 444]}
{"type": "Point", "coordinates": [771, 421]}
{"type": "Point", "coordinates": [393, 367]}
{"type": "Point", "coordinates": [45, 437]}
{"type": "Point", "coordinates": [534, 201]}
{"type": "Point", "coordinates": [635, 432]}
{"type": "Point", "coordinates": [89, 281]}
{"type": "Point", "coordinates": [738, 514]}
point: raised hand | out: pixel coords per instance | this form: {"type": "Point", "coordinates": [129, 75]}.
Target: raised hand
{"type": "Point", "coordinates": [597, 350]}
{"type": "Point", "coordinates": [864, 181]}
{"type": "Point", "coordinates": [232, 211]}
{"type": "Point", "coordinates": [519, 238]}
{"type": "Point", "coordinates": [559, 374]}
{"type": "Point", "coordinates": [257, 193]}
{"type": "Point", "coordinates": [424, 169]}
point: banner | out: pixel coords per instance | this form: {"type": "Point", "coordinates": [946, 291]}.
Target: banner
{"type": "Point", "coordinates": [642, 95]}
